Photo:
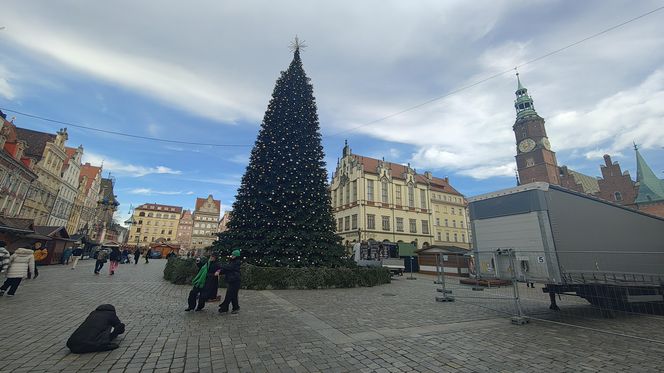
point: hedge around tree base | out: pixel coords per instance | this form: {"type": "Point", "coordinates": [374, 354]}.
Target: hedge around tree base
{"type": "Point", "coordinates": [182, 271]}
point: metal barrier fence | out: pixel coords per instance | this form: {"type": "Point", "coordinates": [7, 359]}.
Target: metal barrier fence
{"type": "Point", "coordinates": [579, 289]}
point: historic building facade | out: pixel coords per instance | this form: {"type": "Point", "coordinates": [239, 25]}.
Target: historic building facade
{"type": "Point", "coordinates": [451, 224]}
{"type": "Point", "coordinates": [64, 202]}
{"type": "Point", "coordinates": [48, 153]}
{"type": "Point", "coordinates": [650, 196]}
{"type": "Point", "coordinates": [87, 198]}
{"type": "Point", "coordinates": [154, 221]}
{"type": "Point", "coordinates": [16, 174]}
{"type": "Point", "coordinates": [382, 201]}
{"type": "Point", "coordinates": [185, 228]}
{"type": "Point", "coordinates": [206, 221]}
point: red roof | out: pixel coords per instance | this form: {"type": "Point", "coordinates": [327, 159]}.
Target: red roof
{"type": "Point", "coordinates": [91, 172]}
{"type": "Point", "coordinates": [370, 165]}
{"type": "Point", "coordinates": [201, 201]}
{"type": "Point", "coordinates": [70, 154]}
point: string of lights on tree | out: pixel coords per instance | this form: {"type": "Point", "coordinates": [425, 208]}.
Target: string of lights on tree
{"type": "Point", "coordinates": [282, 213]}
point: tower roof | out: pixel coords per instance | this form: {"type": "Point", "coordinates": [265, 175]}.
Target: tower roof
{"type": "Point", "coordinates": [651, 189]}
{"type": "Point", "coordinates": [524, 103]}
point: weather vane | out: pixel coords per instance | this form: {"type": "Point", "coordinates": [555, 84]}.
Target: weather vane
{"type": "Point", "coordinates": [297, 44]}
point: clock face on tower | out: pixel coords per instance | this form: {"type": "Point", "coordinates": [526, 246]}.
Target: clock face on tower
{"type": "Point", "coordinates": [526, 145]}
{"type": "Point", "coordinates": [546, 144]}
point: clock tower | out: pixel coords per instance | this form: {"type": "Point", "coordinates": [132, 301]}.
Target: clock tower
{"type": "Point", "coordinates": [534, 159]}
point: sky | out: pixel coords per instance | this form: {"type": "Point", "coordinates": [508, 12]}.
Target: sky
{"type": "Point", "coordinates": [204, 72]}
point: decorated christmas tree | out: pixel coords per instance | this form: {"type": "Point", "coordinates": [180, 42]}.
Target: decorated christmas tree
{"type": "Point", "coordinates": [282, 214]}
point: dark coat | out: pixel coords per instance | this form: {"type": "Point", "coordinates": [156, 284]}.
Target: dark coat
{"type": "Point", "coordinates": [97, 331]}
{"type": "Point", "coordinates": [211, 281]}
{"type": "Point", "coordinates": [115, 255]}
{"type": "Point", "coordinates": [231, 271]}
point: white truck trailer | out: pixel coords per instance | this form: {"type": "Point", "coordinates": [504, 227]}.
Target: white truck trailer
{"type": "Point", "coordinates": [573, 243]}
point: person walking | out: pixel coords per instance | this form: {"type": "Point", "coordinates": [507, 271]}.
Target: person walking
{"type": "Point", "coordinates": [231, 272]}
{"type": "Point", "coordinates": [76, 255]}
{"type": "Point", "coordinates": [4, 257]}
{"type": "Point", "coordinates": [137, 254]}
{"type": "Point", "coordinates": [21, 265]}
{"type": "Point", "coordinates": [204, 283]}
{"type": "Point", "coordinates": [114, 258]}
{"type": "Point", "coordinates": [125, 256]}
{"type": "Point", "coordinates": [147, 255]}
{"type": "Point", "coordinates": [102, 256]}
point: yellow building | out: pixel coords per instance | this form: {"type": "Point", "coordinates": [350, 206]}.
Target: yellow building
{"type": "Point", "coordinates": [382, 201]}
{"type": "Point", "coordinates": [450, 216]}
{"type": "Point", "coordinates": [154, 221]}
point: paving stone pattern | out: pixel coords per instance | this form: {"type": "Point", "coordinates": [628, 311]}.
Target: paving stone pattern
{"type": "Point", "coordinates": [390, 328]}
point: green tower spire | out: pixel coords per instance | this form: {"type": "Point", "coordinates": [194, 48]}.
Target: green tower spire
{"type": "Point", "coordinates": [524, 103]}
{"type": "Point", "coordinates": [651, 189]}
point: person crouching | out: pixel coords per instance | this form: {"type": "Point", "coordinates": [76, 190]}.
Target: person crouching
{"type": "Point", "coordinates": [205, 284]}
{"type": "Point", "coordinates": [97, 332]}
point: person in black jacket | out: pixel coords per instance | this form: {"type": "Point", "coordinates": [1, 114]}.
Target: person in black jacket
{"type": "Point", "coordinates": [97, 332]}
{"type": "Point", "coordinates": [137, 254]}
{"type": "Point", "coordinates": [231, 272]}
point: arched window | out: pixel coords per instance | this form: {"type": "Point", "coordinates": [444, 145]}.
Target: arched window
{"type": "Point", "coordinates": [383, 190]}
{"type": "Point", "coordinates": [617, 196]}
{"type": "Point", "coordinates": [141, 213]}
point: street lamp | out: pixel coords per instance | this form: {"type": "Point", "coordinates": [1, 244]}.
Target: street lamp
{"type": "Point", "coordinates": [129, 222]}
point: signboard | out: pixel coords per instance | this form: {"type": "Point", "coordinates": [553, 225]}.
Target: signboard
{"type": "Point", "coordinates": [406, 249]}
{"type": "Point", "coordinates": [540, 259]}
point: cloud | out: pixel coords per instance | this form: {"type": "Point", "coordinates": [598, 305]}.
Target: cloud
{"type": "Point", "coordinates": [148, 192]}
{"type": "Point", "coordinates": [232, 181]}
{"type": "Point", "coordinates": [120, 168]}
{"type": "Point", "coordinates": [6, 89]}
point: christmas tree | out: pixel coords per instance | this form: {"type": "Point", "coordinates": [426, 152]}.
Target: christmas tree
{"type": "Point", "coordinates": [282, 214]}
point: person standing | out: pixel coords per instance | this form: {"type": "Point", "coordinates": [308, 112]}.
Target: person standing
{"type": "Point", "coordinates": [147, 255]}
{"type": "Point", "coordinates": [4, 257]}
{"type": "Point", "coordinates": [231, 272]}
{"type": "Point", "coordinates": [102, 255]}
{"type": "Point", "coordinates": [125, 256]}
{"type": "Point", "coordinates": [40, 253]}
{"type": "Point", "coordinates": [137, 254]}
{"type": "Point", "coordinates": [204, 284]}
{"type": "Point", "coordinates": [76, 255]}
{"type": "Point", "coordinates": [114, 258]}
{"type": "Point", "coordinates": [21, 265]}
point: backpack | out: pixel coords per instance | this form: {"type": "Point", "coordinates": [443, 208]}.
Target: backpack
{"type": "Point", "coordinates": [102, 256]}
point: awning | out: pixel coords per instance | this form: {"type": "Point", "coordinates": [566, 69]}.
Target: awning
{"type": "Point", "coordinates": [37, 236]}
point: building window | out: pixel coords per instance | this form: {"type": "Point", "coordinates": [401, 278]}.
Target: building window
{"type": "Point", "coordinates": [425, 226]}
{"type": "Point", "coordinates": [423, 198]}
{"type": "Point", "coordinates": [446, 223]}
{"type": "Point", "coordinates": [454, 223]}
{"type": "Point", "coordinates": [463, 237]}
{"type": "Point", "coordinates": [530, 162]}
{"type": "Point", "coordinates": [447, 236]}
{"type": "Point", "coordinates": [397, 194]}
{"type": "Point", "coordinates": [437, 221]}
{"type": "Point", "coordinates": [455, 238]}
{"type": "Point", "coordinates": [370, 190]}
{"type": "Point", "coordinates": [347, 193]}
{"type": "Point", "coordinates": [383, 191]}
{"type": "Point", "coordinates": [386, 223]}
{"type": "Point", "coordinates": [341, 195]}
{"type": "Point", "coordinates": [453, 212]}
{"type": "Point", "coordinates": [413, 225]}
{"type": "Point", "coordinates": [340, 225]}
{"type": "Point", "coordinates": [617, 196]}
{"type": "Point", "coordinates": [371, 221]}
{"type": "Point", "coordinates": [439, 236]}
{"type": "Point", "coordinates": [399, 224]}
{"type": "Point", "coordinates": [411, 196]}
{"type": "Point", "coordinates": [353, 221]}
{"type": "Point", "coordinates": [347, 223]}
{"type": "Point", "coordinates": [138, 230]}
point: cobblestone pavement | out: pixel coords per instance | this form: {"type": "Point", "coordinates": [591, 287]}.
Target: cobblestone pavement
{"type": "Point", "coordinates": [390, 328]}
